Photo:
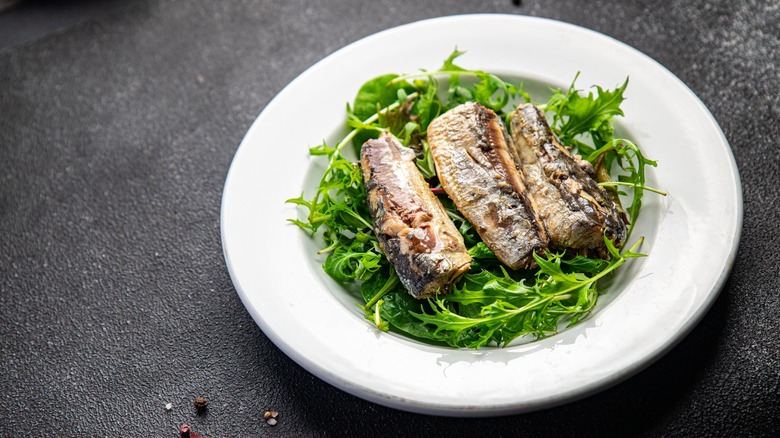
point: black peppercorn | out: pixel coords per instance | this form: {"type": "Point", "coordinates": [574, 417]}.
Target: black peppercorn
{"type": "Point", "coordinates": [200, 404]}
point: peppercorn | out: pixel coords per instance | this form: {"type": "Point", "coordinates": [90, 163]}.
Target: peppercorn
{"type": "Point", "coordinates": [200, 404]}
{"type": "Point", "coordinates": [184, 431]}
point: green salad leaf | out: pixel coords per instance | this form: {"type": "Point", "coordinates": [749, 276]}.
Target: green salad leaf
{"type": "Point", "coordinates": [490, 90]}
{"type": "Point", "coordinates": [576, 115]}
{"type": "Point", "coordinates": [488, 305]}
{"type": "Point", "coordinates": [585, 121]}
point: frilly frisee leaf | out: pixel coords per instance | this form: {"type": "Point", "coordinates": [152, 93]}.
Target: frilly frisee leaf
{"type": "Point", "coordinates": [354, 262]}
{"type": "Point", "coordinates": [576, 114]}
{"type": "Point", "coordinates": [551, 267]}
{"type": "Point", "coordinates": [457, 93]}
{"type": "Point", "coordinates": [449, 63]}
{"type": "Point", "coordinates": [592, 113]}
{"type": "Point", "coordinates": [428, 106]}
{"type": "Point", "coordinates": [484, 286]}
{"type": "Point", "coordinates": [481, 251]}
{"type": "Point", "coordinates": [425, 164]}
{"type": "Point", "coordinates": [631, 160]}
{"type": "Point", "coordinates": [584, 264]}
{"type": "Point", "coordinates": [321, 149]}
{"type": "Point", "coordinates": [488, 305]}
{"type": "Point", "coordinates": [499, 308]}
{"type": "Point", "coordinates": [490, 90]}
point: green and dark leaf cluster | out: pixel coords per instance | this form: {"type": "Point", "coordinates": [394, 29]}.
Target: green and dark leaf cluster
{"type": "Point", "coordinates": [585, 123]}
{"type": "Point", "coordinates": [489, 305]}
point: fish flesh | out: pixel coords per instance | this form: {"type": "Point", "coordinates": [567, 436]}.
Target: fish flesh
{"type": "Point", "coordinates": [412, 226]}
{"type": "Point", "coordinates": [575, 210]}
{"type": "Point", "coordinates": [476, 166]}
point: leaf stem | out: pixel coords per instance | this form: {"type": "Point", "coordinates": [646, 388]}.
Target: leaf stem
{"type": "Point", "coordinates": [391, 283]}
{"type": "Point", "coordinates": [628, 184]}
{"type": "Point", "coordinates": [431, 73]}
{"type": "Point", "coordinates": [329, 248]}
{"type": "Point", "coordinates": [377, 318]}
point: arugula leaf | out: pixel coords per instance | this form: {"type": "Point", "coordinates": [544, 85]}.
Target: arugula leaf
{"type": "Point", "coordinates": [491, 91]}
{"type": "Point", "coordinates": [490, 86]}
{"type": "Point", "coordinates": [584, 264]}
{"type": "Point", "coordinates": [630, 159]}
{"type": "Point", "coordinates": [488, 305]}
{"type": "Point", "coordinates": [425, 163]}
{"type": "Point", "coordinates": [575, 115]}
{"type": "Point", "coordinates": [427, 106]}
{"type": "Point", "coordinates": [378, 93]}
{"type": "Point", "coordinates": [353, 261]}
{"type": "Point", "coordinates": [481, 251]}
{"type": "Point", "coordinates": [449, 65]}
{"type": "Point", "coordinates": [398, 308]}
{"type": "Point", "coordinates": [375, 94]}
{"type": "Point", "coordinates": [456, 93]}
{"type": "Point", "coordinates": [592, 115]}
{"type": "Point", "coordinates": [500, 309]}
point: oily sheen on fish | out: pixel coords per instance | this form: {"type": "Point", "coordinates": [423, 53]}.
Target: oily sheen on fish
{"type": "Point", "coordinates": [576, 212]}
{"type": "Point", "coordinates": [475, 164]}
{"type": "Point", "coordinates": [413, 228]}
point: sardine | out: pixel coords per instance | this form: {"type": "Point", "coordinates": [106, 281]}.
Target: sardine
{"type": "Point", "coordinates": [576, 212]}
{"type": "Point", "coordinates": [412, 226]}
{"type": "Point", "coordinates": [474, 161]}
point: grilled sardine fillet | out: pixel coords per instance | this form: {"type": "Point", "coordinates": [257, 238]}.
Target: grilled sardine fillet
{"type": "Point", "coordinates": [413, 228]}
{"type": "Point", "coordinates": [576, 212]}
{"type": "Point", "coordinates": [475, 164]}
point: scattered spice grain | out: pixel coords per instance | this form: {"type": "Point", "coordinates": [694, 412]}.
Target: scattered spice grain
{"type": "Point", "coordinates": [270, 417]}
{"type": "Point", "coordinates": [200, 404]}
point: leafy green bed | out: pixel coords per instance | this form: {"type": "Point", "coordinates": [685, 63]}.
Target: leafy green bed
{"type": "Point", "coordinates": [489, 305]}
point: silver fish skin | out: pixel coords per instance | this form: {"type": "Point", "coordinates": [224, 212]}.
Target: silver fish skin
{"type": "Point", "coordinates": [576, 212]}
{"type": "Point", "coordinates": [474, 161]}
{"type": "Point", "coordinates": [412, 226]}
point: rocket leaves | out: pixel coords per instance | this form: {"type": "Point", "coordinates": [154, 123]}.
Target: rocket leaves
{"type": "Point", "coordinates": [488, 305]}
{"type": "Point", "coordinates": [495, 307]}
{"type": "Point", "coordinates": [577, 118]}
{"type": "Point", "coordinates": [575, 114]}
{"type": "Point", "coordinates": [490, 90]}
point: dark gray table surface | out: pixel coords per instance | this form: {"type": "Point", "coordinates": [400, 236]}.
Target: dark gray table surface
{"type": "Point", "coordinates": [116, 134]}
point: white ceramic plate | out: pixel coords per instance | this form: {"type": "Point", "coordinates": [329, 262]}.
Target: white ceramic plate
{"type": "Point", "coordinates": [692, 234]}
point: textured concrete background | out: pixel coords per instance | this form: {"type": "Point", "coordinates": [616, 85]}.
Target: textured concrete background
{"type": "Point", "coordinates": [116, 133]}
